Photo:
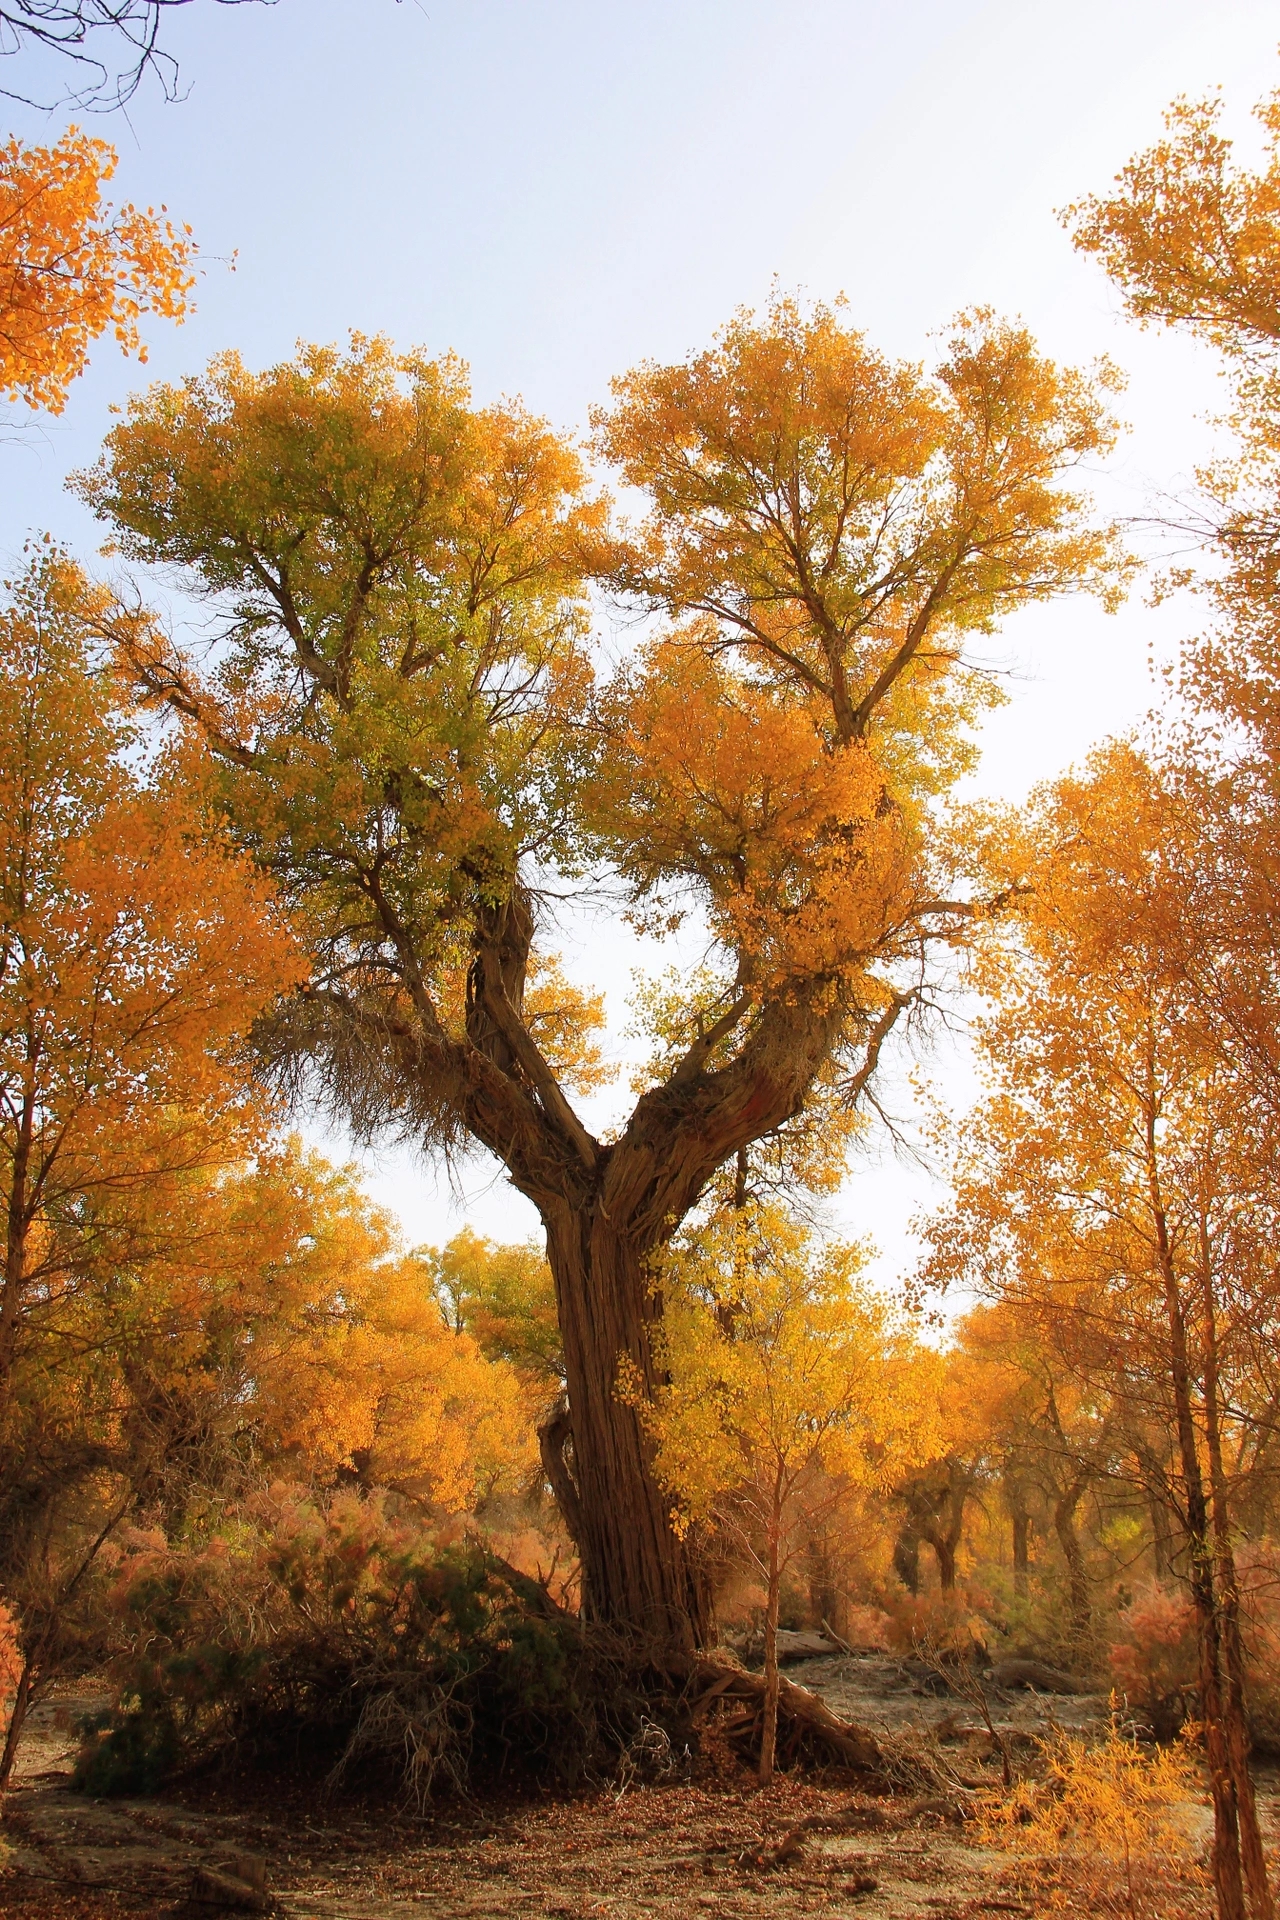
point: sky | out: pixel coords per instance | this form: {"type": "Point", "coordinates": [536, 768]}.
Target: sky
{"type": "Point", "coordinates": [557, 189]}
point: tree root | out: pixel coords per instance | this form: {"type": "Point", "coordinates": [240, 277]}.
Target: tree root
{"type": "Point", "coordinates": [887, 1763]}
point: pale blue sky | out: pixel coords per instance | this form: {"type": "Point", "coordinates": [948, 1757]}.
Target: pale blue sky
{"type": "Point", "coordinates": [557, 188]}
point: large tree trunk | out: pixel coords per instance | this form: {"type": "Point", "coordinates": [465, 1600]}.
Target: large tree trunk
{"type": "Point", "coordinates": [637, 1573]}
{"type": "Point", "coordinates": [606, 1208]}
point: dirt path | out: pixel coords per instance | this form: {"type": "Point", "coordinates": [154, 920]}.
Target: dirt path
{"type": "Point", "coordinates": [676, 1850]}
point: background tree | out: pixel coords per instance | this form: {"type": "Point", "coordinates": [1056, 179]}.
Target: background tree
{"type": "Point", "coordinates": [786, 1384]}
{"type": "Point", "coordinates": [505, 1298]}
{"type": "Point", "coordinates": [274, 1333]}
{"type": "Point", "coordinates": [134, 956]}
{"type": "Point", "coordinates": [1112, 1184]}
{"type": "Point", "coordinates": [135, 953]}
{"type": "Point", "coordinates": [1050, 1430]}
{"type": "Point", "coordinates": [1193, 241]}
{"type": "Point", "coordinates": [403, 710]}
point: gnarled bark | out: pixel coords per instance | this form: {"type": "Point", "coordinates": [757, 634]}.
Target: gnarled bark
{"type": "Point", "coordinates": [637, 1573]}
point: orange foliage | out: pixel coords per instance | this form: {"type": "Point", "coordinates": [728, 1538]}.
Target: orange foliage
{"type": "Point", "coordinates": [846, 520]}
{"type": "Point", "coordinates": [135, 953]}
{"type": "Point", "coordinates": [10, 1654]}
{"type": "Point", "coordinates": [296, 1305]}
{"type": "Point", "coordinates": [1154, 1658]}
{"type": "Point", "coordinates": [1189, 238]}
{"type": "Point", "coordinates": [715, 779]}
{"type": "Point", "coordinates": [72, 266]}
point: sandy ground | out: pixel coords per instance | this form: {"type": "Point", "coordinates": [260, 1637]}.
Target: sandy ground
{"type": "Point", "coordinates": [658, 1850]}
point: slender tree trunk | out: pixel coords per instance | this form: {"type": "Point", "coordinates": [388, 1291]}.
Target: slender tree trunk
{"type": "Point", "coordinates": [1015, 1499]}
{"type": "Point", "coordinates": [769, 1736]}
{"type": "Point", "coordinates": [1154, 1477]}
{"type": "Point", "coordinates": [1228, 1595]}
{"type": "Point", "coordinates": [17, 1228]}
{"type": "Point", "coordinates": [1064, 1525]}
{"type": "Point", "coordinates": [824, 1596]}
{"type": "Point", "coordinates": [1161, 1538]}
{"type": "Point", "coordinates": [1228, 1884]}
{"type": "Point", "coordinates": [636, 1573]}
{"type": "Point", "coordinates": [906, 1557]}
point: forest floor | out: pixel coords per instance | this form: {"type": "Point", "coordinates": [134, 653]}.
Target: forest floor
{"type": "Point", "coordinates": [682, 1849]}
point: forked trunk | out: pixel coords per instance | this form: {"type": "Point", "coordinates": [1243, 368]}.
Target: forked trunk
{"type": "Point", "coordinates": [946, 1558]}
{"type": "Point", "coordinates": [637, 1574]}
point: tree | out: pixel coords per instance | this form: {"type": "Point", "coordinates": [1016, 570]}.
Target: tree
{"type": "Point", "coordinates": [73, 267]}
{"type": "Point", "coordinates": [275, 1331]}
{"type": "Point", "coordinates": [127, 31]}
{"type": "Point", "coordinates": [320, 1330]}
{"type": "Point", "coordinates": [1190, 239]}
{"type": "Point", "coordinates": [411, 742]}
{"type": "Point", "coordinates": [134, 956]}
{"type": "Point", "coordinates": [1048, 1429]}
{"type": "Point", "coordinates": [1118, 1189]}
{"type": "Point", "coordinates": [1193, 241]}
{"type": "Point", "coordinates": [135, 953]}
{"type": "Point", "coordinates": [505, 1298]}
{"type": "Point", "coordinates": [785, 1384]}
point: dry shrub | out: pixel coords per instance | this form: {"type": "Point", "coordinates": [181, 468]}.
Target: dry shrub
{"type": "Point", "coordinates": [338, 1637]}
{"type": "Point", "coordinates": [1153, 1658]}
{"type": "Point", "coordinates": [956, 1624]}
{"type": "Point", "coordinates": [426, 1728]}
{"type": "Point", "coordinates": [867, 1628]}
{"type": "Point", "coordinates": [10, 1659]}
{"type": "Point", "coordinates": [10, 1672]}
{"type": "Point", "coordinates": [1109, 1828]}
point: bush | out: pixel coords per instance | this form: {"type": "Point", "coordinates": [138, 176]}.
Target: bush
{"type": "Point", "coordinates": [10, 1658]}
{"type": "Point", "coordinates": [957, 1625]}
{"type": "Point", "coordinates": [1154, 1657]}
{"type": "Point", "coordinates": [1109, 1828]}
{"type": "Point", "coordinates": [334, 1637]}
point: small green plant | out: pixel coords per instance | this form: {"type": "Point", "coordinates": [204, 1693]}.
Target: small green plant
{"type": "Point", "coordinates": [129, 1749]}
